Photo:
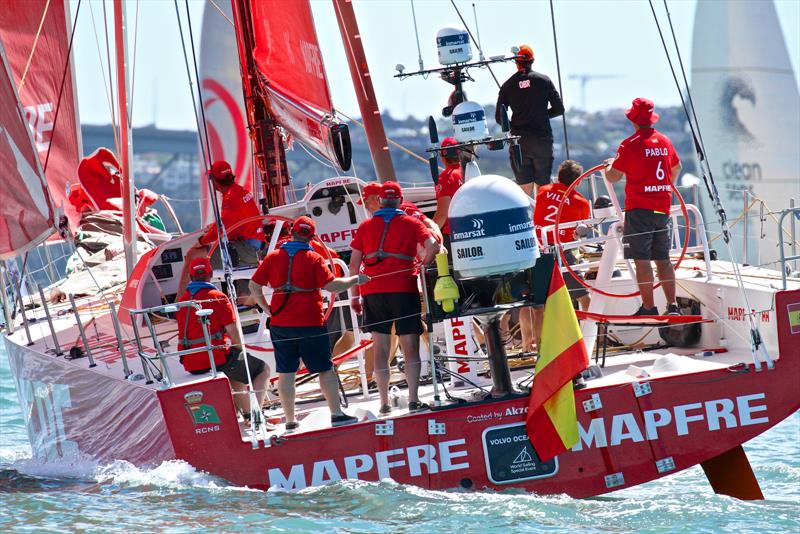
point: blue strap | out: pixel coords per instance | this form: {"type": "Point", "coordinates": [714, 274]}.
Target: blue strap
{"type": "Point", "coordinates": [388, 214]}
{"type": "Point", "coordinates": [197, 285]}
{"type": "Point", "coordinates": [292, 247]}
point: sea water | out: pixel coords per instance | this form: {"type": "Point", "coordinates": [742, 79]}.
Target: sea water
{"type": "Point", "coordinates": [174, 497]}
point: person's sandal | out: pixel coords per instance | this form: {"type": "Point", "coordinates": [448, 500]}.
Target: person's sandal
{"type": "Point", "coordinates": [386, 409]}
{"type": "Point", "coordinates": [291, 426]}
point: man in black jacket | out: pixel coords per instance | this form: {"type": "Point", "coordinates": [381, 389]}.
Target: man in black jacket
{"type": "Point", "coordinates": [533, 100]}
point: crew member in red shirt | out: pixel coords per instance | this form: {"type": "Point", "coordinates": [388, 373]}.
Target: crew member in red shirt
{"type": "Point", "coordinates": [224, 336]}
{"type": "Point", "coordinates": [385, 248]}
{"type": "Point", "coordinates": [238, 204]}
{"type": "Point", "coordinates": [576, 208]}
{"type": "Point", "coordinates": [297, 325]}
{"type": "Point", "coordinates": [649, 164]}
{"type": "Point", "coordinates": [450, 179]}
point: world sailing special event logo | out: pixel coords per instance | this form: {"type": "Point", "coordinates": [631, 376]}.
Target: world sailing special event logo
{"type": "Point", "coordinates": [510, 456]}
{"type": "Point", "coordinates": [204, 416]}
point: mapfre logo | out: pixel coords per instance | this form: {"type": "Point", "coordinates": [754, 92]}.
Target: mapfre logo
{"type": "Point", "coordinates": [40, 121]}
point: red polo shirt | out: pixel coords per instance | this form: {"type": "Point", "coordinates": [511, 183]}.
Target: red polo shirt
{"type": "Point", "coordinates": [647, 158]}
{"type": "Point", "coordinates": [309, 270]}
{"type": "Point", "coordinates": [237, 204]}
{"type": "Point", "coordinates": [449, 181]}
{"type": "Point", "coordinates": [390, 275]}
{"type": "Point", "coordinates": [548, 198]}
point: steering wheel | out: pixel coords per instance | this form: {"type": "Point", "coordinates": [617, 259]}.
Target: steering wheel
{"type": "Point", "coordinates": [267, 219]}
{"type": "Point", "coordinates": [580, 279]}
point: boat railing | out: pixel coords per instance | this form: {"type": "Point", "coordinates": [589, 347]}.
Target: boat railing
{"type": "Point", "coordinates": [788, 263]}
{"type": "Point", "coordinates": [204, 315]}
{"type": "Point", "coordinates": [696, 229]}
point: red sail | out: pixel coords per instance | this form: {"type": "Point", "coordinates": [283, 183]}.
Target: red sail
{"type": "Point", "coordinates": [36, 35]}
{"type": "Point", "coordinates": [288, 56]}
{"type": "Point", "coordinates": [26, 210]}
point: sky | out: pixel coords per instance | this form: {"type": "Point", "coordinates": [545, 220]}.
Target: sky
{"type": "Point", "coordinates": [618, 39]}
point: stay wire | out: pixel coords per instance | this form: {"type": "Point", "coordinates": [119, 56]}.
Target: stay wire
{"type": "Point", "coordinates": [477, 45]}
{"type": "Point", "coordinates": [560, 86]}
{"type": "Point", "coordinates": [61, 88]}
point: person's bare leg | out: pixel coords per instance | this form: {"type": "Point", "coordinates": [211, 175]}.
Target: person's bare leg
{"type": "Point", "coordinates": [584, 302]}
{"type": "Point", "coordinates": [329, 385]}
{"type": "Point", "coordinates": [528, 188]}
{"type": "Point", "coordinates": [644, 277]}
{"type": "Point", "coordinates": [666, 275]}
{"type": "Point", "coordinates": [538, 321]}
{"type": "Point", "coordinates": [381, 344]}
{"type": "Point", "coordinates": [240, 399]}
{"type": "Point", "coordinates": [410, 344]}
{"type": "Point", "coordinates": [260, 385]}
{"type": "Point", "coordinates": [526, 329]}
{"type": "Point", "coordinates": [286, 392]}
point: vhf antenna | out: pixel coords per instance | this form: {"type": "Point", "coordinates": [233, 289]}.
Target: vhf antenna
{"type": "Point", "coordinates": [416, 34]}
{"type": "Point", "coordinates": [477, 32]}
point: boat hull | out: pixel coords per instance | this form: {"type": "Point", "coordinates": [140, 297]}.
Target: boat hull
{"type": "Point", "coordinates": [74, 414]}
{"type": "Point", "coordinates": [629, 435]}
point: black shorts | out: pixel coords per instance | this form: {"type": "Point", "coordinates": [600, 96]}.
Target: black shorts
{"type": "Point", "coordinates": [575, 288]}
{"type": "Point", "coordinates": [646, 235]}
{"type": "Point", "coordinates": [235, 368]}
{"type": "Point", "coordinates": [309, 343]}
{"type": "Point", "coordinates": [382, 310]}
{"type": "Point", "coordinates": [537, 160]}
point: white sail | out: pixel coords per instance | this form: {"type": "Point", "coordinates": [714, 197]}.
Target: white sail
{"type": "Point", "coordinates": [747, 103]}
{"type": "Point", "coordinates": [222, 98]}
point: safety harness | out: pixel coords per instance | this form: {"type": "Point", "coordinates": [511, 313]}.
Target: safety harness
{"type": "Point", "coordinates": [292, 248]}
{"type": "Point", "coordinates": [194, 288]}
{"type": "Point", "coordinates": [388, 215]}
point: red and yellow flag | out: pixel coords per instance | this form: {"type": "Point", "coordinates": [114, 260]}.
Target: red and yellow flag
{"type": "Point", "coordinates": [552, 422]}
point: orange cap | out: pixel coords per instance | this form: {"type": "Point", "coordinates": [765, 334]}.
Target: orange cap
{"type": "Point", "coordinates": [526, 53]}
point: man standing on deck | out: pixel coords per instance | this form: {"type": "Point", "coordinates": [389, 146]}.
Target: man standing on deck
{"type": "Point", "coordinates": [386, 246]}
{"type": "Point", "coordinates": [297, 325]}
{"type": "Point", "coordinates": [450, 180]}
{"type": "Point", "coordinates": [223, 334]}
{"type": "Point", "coordinates": [533, 100]}
{"type": "Point", "coordinates": [649, 163]}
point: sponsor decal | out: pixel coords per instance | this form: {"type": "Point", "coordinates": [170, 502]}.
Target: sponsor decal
{"type": "Point", "coordinates": [708, 416]}
{"type": "Point", "coordinates": [737, 313]}
{"type": "Point", "coordinates": [472, 116]}
{"type": "Point", "coordinates": [452, 40]}
{"type": "Point", "coordinates": [333, 237]}
{"type": "Point", "coordinates": [40, 121]}
{"type": "Point", "coordinates": [794, 317]}
{"type": "Point", "coordinates": [492, 224]}
{"type": "Point", "coordinates": [510, 456]}
{"type": "Point", "coordinates": [414, 461]}
{"type": "Point", "coordinates": [204, 416]}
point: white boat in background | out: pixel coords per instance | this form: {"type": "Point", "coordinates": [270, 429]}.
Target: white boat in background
{"type": "Point", "coordinates": [746, 98]}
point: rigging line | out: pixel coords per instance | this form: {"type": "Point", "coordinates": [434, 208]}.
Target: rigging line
{"type": "Point", "coordinates": [61, 89]}
{"type": "Point", "coordinates": [103, 72]}
{"type": "Point", "coordinates": [205, 154]}
{"type": "Point", "coordinates": [558, 70]}
{"type": "Point", "coordinates": [221, 233]}
{"type": "Point", "coordinates": [477, 45]}
{"type": "Point", "coordinates": [391, 142]}
{"type": "Point", "coordinates": [35, 44]}
{"type": "Point", "coordinates": [213, 3]}
{"type": "Point", "coordinates": [688, 91]}
{"type": "Point", "coordinates": [117, 142]}
{"type": "Point", "coordinates": [756, 340]}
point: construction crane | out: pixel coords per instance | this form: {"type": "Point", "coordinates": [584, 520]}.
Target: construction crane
{"type": "Point", "coordinates": [585, 78]}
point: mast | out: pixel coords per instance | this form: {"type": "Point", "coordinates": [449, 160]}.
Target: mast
{"type": "Point", "coordinates": [362, 82]}
{"type": "Point", "coordinates": [126, 148]}
{"type": "Point", "coordinates": [268, 151]}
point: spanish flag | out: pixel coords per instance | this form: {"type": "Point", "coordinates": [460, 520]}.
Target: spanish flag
{"type": "Point", "coordinates": [552, 422]}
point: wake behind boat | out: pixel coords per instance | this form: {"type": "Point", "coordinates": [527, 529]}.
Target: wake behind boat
{"type": "Point", "coordinates": [666, 393]}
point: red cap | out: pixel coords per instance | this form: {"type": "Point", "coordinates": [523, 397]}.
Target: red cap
{"type": "Point", "coordinates": [641, 112]}
{"type": "Point", "coordinates": [304, 226]}
{"type": "Point", "coordinates": [391, 190]}
{"type": "Point", "coordinates": [372, 188]}
{"type": "Point", "coordinates": [221, 171]}
{"type": "Point", "coordinates": [200, 266]}
{"type": "Point", "coordinates": [526, 53]}
{"type": "Point", "coordinates": [448, 141]}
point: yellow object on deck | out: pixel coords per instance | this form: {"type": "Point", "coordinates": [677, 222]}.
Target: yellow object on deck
{"type": "Point", "coordinates": [445, 292]}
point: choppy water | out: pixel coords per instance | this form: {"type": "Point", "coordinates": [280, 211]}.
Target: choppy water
{"type": "Point", "coordinates": [175, 498]}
